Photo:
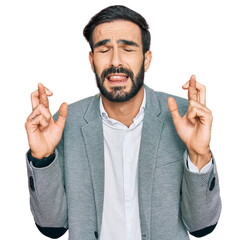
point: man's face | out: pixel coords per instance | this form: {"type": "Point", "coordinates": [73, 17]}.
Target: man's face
{"type": "Point", "coordinates": [118, 60]}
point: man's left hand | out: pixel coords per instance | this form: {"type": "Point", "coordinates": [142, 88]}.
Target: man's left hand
{"type": "Point", "coordinates": [194, 128]}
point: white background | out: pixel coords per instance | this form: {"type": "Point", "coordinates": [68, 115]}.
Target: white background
{"type": "Point", "coordinates": [42, 41]}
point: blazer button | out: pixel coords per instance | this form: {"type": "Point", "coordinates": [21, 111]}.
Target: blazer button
{"type": "Point", "coordinates": [96, 234]}
{"type": "Point", "coordinates": [31, 183]}
{"type": "Point", "coordinates": [212, 185]}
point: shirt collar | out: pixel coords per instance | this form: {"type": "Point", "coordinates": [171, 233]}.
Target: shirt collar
{"type": "Point", "coordinates": [139, 117]}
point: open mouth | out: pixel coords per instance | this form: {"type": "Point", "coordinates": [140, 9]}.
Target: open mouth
{"type": "Point", "coordinates": [117, 78]}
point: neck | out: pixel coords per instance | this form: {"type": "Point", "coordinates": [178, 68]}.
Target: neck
{"type": "Point", "coordinates": [124, 112]}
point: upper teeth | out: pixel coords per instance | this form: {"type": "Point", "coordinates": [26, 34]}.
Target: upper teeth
{"type": "Point", "coordinates": [117, 77]}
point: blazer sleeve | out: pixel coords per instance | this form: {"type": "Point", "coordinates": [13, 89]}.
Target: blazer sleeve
{"type": "Point", "coordinates": [47, 196]}
{"type": "Point", "coordinates": [201, 203]}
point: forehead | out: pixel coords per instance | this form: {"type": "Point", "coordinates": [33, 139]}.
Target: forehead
{"type": "Point", "coordinates": [116, 30]}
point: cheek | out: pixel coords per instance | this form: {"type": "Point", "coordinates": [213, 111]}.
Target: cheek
{"type": "Point", "coordinates": [98, 69]}
{"type": "Point", "coordinates": [100, 65]}
{"type": "Point", "coordinates": [135, 66]}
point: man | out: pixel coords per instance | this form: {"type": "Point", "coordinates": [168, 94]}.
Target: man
{"type": "Point", "coordinates": [119, 165]}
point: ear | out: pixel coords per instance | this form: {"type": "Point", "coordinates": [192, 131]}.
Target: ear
{"type": "Point", "coordinates": [148, 59]}
{"type": "Point", "coordinates": [91, 60]}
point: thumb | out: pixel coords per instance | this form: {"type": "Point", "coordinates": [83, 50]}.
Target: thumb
{"type": "Point", "coordinates": [62, 115]}
{"type": "Point", "coordinates": [173, 107]}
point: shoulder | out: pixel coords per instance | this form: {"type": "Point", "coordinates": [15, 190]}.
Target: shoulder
{"type": "Point", "coordinates": [78, 109]}
{"type": "Point", "coordinates": [81, 106]}
{"type": "Point", "coordinates": [161, 99]}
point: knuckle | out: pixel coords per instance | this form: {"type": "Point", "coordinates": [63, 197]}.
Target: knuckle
{"type": "Point", "coordinates": [41, 106]}
{"type": "Point", "coordinates": [44, 122]}
{"type": "Point", "coordinates": [209, 111]}
{"type": "Point", "coordinates": [49, 117]}
{"type": "Point", "coordinates": [189, 114]}
{"type": "Point", "coordinates": [41, 117]}
{"type": "Point", "coordinates": [192, 103]}
{"type": "Point", "coordinates": [211, 117]}
{"type": "Point", "coordinates": [192, 109]}
{"type": "Point", "coordinates": [35, 119]}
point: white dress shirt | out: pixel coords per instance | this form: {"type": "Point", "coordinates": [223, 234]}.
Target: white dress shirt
{"type": "Point", "coordinates": [120, 218]}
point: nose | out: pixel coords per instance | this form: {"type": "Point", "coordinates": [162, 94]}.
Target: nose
{"type": "Point", "coordinates": [116, 59]}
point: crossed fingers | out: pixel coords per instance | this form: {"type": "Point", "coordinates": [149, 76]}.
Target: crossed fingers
{"type": "Point", "coordinates": [40, 104]}
{"type": "Point", "coordinates": [196, 91]}
{"type": "Point", "coordinates": [197, 109]}
{"type": "Point", "coordinates": [40, 96]}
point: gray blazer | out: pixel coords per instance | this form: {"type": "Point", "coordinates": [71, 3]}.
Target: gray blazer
{"type": "Point", "coordinates": [69, 192]}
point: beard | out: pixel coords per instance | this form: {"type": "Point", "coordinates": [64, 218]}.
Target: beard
{"type": "Point", "coordinates": [118, 94]}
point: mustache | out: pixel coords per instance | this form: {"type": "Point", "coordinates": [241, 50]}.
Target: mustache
{"type": "Point", "coordinates": [113, 70]}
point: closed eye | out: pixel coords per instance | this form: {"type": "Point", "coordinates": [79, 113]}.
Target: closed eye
{"type": "Point", "coordinates": [128, 50]}
{"type": "Point", "coordinates": [104, 51]}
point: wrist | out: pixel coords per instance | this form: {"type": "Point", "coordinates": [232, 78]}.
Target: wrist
{"type": "Point", "coordinates": [200, 159]}
{"type": "Point", "coordinates": [41, 156]}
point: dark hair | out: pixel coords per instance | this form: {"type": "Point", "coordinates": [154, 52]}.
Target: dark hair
{"type": "Point", "coordinates": [114, 13]}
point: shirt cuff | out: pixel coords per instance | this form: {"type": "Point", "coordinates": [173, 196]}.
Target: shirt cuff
{"type": "Point", "coordinates": [193, 168]}
{"type": "Point", "coordinates": [40, 163]}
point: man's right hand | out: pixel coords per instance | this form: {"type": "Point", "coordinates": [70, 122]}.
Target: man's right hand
{"type": "Point", "coordinates": [43, 133]}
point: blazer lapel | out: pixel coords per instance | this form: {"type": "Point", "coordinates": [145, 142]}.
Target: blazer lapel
{"type": "Point", "coordinates": [151, 131]}
{"type": "Point", "coordinates": [92, 134]}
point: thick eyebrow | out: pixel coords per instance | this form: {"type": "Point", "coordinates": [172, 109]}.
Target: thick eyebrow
{"type": "Point", "coordinates": [123, 41]}
{"type": "Point", "coordinates": [101, 43]}
{"type": "Point", "coordinates": [128, 42]}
